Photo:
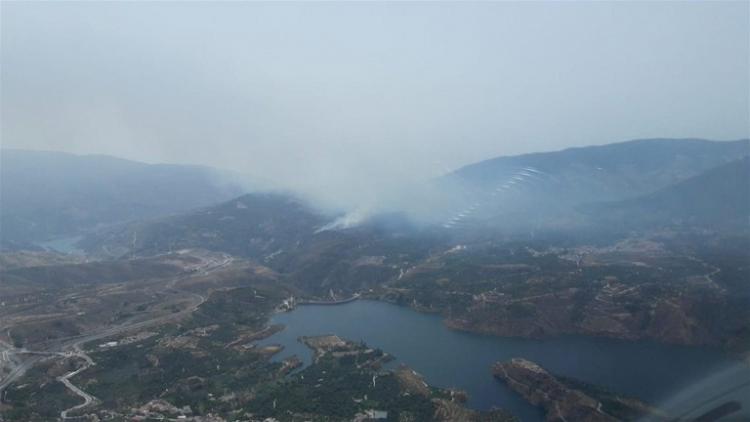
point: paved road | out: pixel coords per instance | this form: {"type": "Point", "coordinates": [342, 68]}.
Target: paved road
{"type": "Point", "coordinates": [87, 398]}
{"type": "Point", "coordinates": [60, 346]}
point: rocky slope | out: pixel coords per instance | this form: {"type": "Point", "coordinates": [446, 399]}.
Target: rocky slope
{"type": "Point", "coordinates": [560, 401]}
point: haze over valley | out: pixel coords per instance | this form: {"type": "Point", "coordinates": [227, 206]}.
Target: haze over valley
{"type": "Point", "coordinates": [375, 211]}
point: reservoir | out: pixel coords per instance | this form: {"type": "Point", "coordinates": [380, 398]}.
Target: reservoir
{"type": "Point", "coordinates": [674, 377]}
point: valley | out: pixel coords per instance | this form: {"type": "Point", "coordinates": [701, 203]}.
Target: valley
{"type": "Point", "coordinates": [374, 211]}
{"type": "Point", "coordinates": [211, 314]}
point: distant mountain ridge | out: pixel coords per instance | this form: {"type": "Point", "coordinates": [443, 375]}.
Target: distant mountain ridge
{"type": "Point", "coordinates": [523, 190]}
{"type": "Point", "coordinates": [45, 194]}
{"type": "Point", "coordinates": [719, 196]}
{"type": "Point", "coordinates": [51, 193]}
{"type": "Point", "coordinates": [648, 157]}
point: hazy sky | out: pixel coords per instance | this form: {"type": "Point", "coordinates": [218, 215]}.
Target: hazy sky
{"type": "Point", "coordinates": [352, 99]}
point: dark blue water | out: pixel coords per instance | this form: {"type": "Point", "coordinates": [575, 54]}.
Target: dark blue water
{"type": "Point", "coordinates": [448, 358]}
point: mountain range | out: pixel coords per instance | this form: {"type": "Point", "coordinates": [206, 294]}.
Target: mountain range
{"type": "Point", "coordinates": [547, 189]}
{"type": "Point", "coordinates": [53, 194]}
{"type": "Point", "coordinates": [631, 185]}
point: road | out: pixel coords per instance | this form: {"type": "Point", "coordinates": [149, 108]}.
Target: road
{"type": "Point", "coordinates": [74, 343]}
{"type": "Point", "coordinates": [65, 379]}
{"type": "Point", "coordinates": [70, 346]}
{"type": "Point", "coordinates": [64, 344]}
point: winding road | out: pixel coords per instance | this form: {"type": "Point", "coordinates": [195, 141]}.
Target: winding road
{"type": "Point", "coordinates": [71, 346]}
{"type": "Point", "coordinates": [65, 379]}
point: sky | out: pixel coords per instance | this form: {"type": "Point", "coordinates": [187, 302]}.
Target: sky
{"type": "Point", "coordinates": [348, 102]}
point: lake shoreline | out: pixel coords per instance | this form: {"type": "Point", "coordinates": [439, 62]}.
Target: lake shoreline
{"type": "Point", "coordinates": [452, 358]}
